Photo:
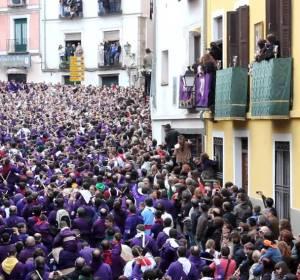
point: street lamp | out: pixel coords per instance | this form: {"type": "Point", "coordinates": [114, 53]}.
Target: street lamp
{"type": "Point", "coordinates": [189, 78]}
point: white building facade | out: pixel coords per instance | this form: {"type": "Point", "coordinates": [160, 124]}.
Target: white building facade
{"type": "Point", "coordinates": [119, 23]}
{"type": "Point", "coordinates": [178, 44]}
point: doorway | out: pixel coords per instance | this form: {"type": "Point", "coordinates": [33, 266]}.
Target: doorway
{"type": "Point", "coordinates": [241, 167]}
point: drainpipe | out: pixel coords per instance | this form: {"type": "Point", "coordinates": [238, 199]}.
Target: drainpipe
{"type": "Point", "coordinates": [45, 41]}
{"type": "Point", "coordinates": [203, 51]}
{"type": "Point", "coordinates": [154, 57]}
{"type": "Point", "coordinates": [204, 27]}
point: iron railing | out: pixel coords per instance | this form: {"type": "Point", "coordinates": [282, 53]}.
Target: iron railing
{"type": "Point", "coordinates": [17, 45]}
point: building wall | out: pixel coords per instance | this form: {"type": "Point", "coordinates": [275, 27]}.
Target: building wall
{"type": "Point", "coordinates": [92, 28]}
{"type": "Point", "coordinates": [262, 134]}
{"type": "Point", "coordinates": [173, 35]}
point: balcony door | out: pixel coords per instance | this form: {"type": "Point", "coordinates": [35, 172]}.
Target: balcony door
{"type": "Point", "coordinates": [282, 179]}
{"type": "Point", "coordinates": [21, 35]}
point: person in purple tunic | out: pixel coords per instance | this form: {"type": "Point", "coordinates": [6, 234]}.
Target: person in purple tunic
{"type": "Point", "coordinates": [196, 260]}
{"type": "Point", "coordinates": [144, 241]}
{"type": "Point", "coordinates": [11, 267]}
{"type": "Point", "coordinates": [131, 222]}
{"type": "Point", "coordinates": [182, 268]}
{"type": "Point", "coordinates": [100, 269]}
{"type": "Point", "coordinates": [29, 249]}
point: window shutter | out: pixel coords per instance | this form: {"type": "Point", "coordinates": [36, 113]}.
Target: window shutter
{"type": "Point", "coordinates": [272, 17]}
{"type": "Point", "coordinates": [243, 18]}
{"type": "Point", "coordinates": [285, 37]}
{"type": "Point", "coordinates": [232, 37]}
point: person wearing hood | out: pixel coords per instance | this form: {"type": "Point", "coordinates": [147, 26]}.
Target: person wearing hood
{"type": "Point", "coordinates": [144, 241]}
{"type": "Point", "coordinates": [182, 268]}
{"type": "Point", "coordinates": [242, 210]}
{"type": "Point", "coordinates": [11, 267]}
{"type": "Point", "coordinates": [168, 253]}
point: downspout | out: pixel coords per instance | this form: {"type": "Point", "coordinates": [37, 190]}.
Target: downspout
{"type": "Point", "coordinates": [203, 51]}
{"type": "Point", "coordinates": [154, 57]}
{"type": "Point", "coordinates": [204, 27]}
{"type": "Point", "coordinates": [45, 45]}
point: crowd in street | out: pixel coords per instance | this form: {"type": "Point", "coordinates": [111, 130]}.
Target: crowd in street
{"type": "Point", "coordinates": [86, 193]}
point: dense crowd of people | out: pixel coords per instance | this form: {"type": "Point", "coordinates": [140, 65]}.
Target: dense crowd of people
{"type": "Point", "coordinates": [86, 193]}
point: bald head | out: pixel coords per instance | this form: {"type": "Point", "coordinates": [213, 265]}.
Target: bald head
{"type": "Point", "coordinates": [30, 241]}
{"type": "Point", "coordinates": [80, 262]}
{"type": "Point", "coordinates": [12, 210]}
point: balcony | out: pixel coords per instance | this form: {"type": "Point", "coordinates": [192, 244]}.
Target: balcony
{"type": "Point", "coordinates": [17, 45]}
{"type": "Point", "coordinates": [64, 65]}
{"type": "Point", "coordinates": [200, 95]}
{"type": "Point", "coordinates": [107, 8]}
{"type": "Point", "coordinates": [231, 94]}
{"type": "Point", "coordinates": [70, 9]}
{"type": "Point", "coordinates": [110, 56]}
{"type": "Point", "coordinates": [16, 3]}
{"type": "Point", "coordinates": [271, 89]}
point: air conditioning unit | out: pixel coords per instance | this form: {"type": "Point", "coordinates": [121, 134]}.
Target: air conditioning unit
{"type": "Point", "coordinates": [16, 3]}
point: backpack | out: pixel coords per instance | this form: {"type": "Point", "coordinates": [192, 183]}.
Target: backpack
{"type": "Point", "coordinates": [221, 274]}
{"type": "Point", "coordinates": [62, 215]}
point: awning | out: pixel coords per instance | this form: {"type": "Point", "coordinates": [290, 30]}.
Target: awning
{"type": "Point", "coordinates": [112, 35]}
{"type": "Point", "coordinates": [73, 36]}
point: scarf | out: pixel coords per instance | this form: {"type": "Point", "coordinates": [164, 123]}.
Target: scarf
{"type": "Point", "coordinates": [9, 264]}
{"type": "Point", "coordinates": [186, 265]}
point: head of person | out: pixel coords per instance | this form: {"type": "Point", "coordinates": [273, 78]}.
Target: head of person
{"type": "Point", "coordinates": [225, 251]}
{"type": "Point", "coordinates": [271, 39]}
{"type": "Point", "coordinates": [181, 252]}
{"type": "Point", "coordinates": [261, 43]}
{"type": "Point", "coordinates": [148, 51]}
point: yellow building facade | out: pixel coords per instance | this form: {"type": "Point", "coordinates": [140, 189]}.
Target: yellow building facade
{"type": "Point", "coordinates": [258, 153]}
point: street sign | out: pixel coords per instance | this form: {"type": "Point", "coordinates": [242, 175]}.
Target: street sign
{"type": "Point", "coordinates": [76, 68]}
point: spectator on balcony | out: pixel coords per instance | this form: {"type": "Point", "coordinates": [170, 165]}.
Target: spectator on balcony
{"type": "Point", "coordinates": [103, 6]}
{"type": "Point", "coordinates": [261, 45]}
{"type": "Point", "coordinates": [113, 53]}
{"type": "Point", "coordinates": [270, 50]}
{"type": "Point", "coordinates": [119, 50]}
{"type": "Point", "coordinates": [112, 6]}
{"type": "Point", "coordinates": [215, 51]}
{"type": "Point", "coordinates": [69, 51]}
{"type": "Point", "coordinates": [79, 50]}
{"type": "Point", "coordinates": [61, 52]}
{"type": "Point", "coordinates": [147, 71]}
{"type": "Point", "coordinates": [101, 54]}
{"type": "Point", "coordinates": [106, 52]}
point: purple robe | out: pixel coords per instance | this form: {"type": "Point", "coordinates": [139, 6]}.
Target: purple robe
{"type": "Point", "coordinates": [176, 272]}
{"type": "Point", "coordinates": [185, 96]}
{"type": "Point", "coordinates": [131, 222]}
{"type": "Point", "coordinates": [103, 271]}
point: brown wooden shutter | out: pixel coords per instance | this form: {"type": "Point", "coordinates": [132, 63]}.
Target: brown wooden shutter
{"type": "Point", "coordinates": [272, 17]}
{"type": "Point", "coordinates": [232, 37]}
{"type": "Point", "coordinates": [285, 31]}
{"type": "Point", "coordinates": [243, 19]}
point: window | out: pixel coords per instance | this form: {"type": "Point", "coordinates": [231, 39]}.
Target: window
{"type": "Point", "coordinates": [109, 80]}
{"type": "Point", "coordinates": [278, 19]}
{"type": "Point", "coordinates": [165, 68]}
{"type": "Point", "coordinates": [72, 41]}
{"type": "Point", "coordinates": [70, 8]}
{"type": "Point", "coordinates": [20, 41]}
{"type": "Point", "coordinates": [218, 156]}
{"type": "Point", "coordinates": [282, 179]}
{"type": "Point", "coordinates": [16, 3]}
{"type": "Point", "coordinates": [238, 37]}
{"type": "Point", "coordinates": [218, 28]}
{"type": "Point", "coordinates": [110, 55]}
{"type": "Point", "coordinates": [109, 7]}
{"type": "Point", "coordinates": [194, 47]}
